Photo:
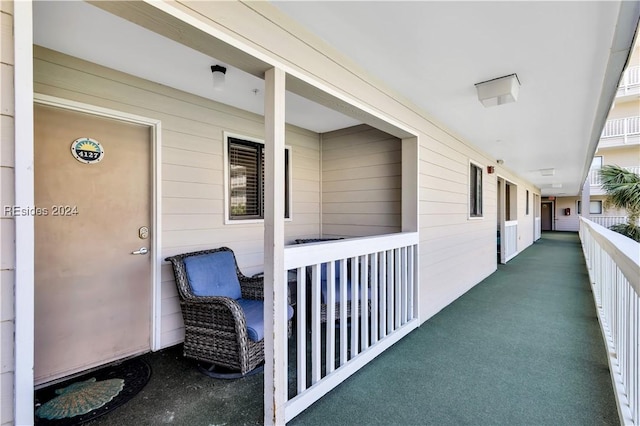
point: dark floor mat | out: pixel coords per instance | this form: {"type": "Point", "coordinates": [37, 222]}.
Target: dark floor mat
{"type": "Point", "coordinates": [117, 384]}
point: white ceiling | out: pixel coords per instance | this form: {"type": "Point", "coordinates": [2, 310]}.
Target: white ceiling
{"type": "Point", "coordinates": [431, 53]}
{"type": "Point", "coordinates": [121, 45]}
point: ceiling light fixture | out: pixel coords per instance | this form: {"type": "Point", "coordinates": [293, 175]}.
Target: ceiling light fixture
{"type": "Point", "coordinates": [219, 76]}
{"type": "Point", "coordinates": [547, 172]}
{"type": "Point", "coordinates": [498, 91]}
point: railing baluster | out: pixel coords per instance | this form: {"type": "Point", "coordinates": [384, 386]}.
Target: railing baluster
{"type": "Point", "coordinates": [354, 307]}
{"type": "Point", "coordinates": [410, 281]}
{"type": "Point", "coordinates": [316, 348]}
{"type": "Point", "coordinates": [403, 285]}
{"type": "Point", "coordinates": [344, 338]}
{"type": "Point", "coordinates": [398, 287]}
{"type": "Point", "coordinates": [364, 302]}
{"type": "Point", "coordinates": [375, 273]}
{"type": "Point", "coordinates": [330, 356]}
{"type": "Point", "coordinates": [390, 292]}
{"type": "Point", "coordinates": [301, 330]}
{"type": "Point", "coordinates": [383, 294]}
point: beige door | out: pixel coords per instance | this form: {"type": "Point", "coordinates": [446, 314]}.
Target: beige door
{"type": "Point", "coordinates": [92, 295]}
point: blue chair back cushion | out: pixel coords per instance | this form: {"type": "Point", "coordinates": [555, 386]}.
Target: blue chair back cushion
{"type": "Point", "coordinates": [323, 284]}
{"type": "Point", "coordinates": [254, 317]}
{"type": "Point", "coordinates": [213, 274]}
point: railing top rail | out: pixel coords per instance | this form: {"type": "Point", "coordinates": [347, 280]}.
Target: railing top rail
{"type": "Point", "coordinates": [300, 255]}
{"type": "Point", "coordinates": [511, 223]}
{"type": "Point", "coordinates": [624, 251]}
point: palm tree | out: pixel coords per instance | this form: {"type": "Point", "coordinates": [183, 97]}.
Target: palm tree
{"type": "Point", "coordinates": [623, 191]}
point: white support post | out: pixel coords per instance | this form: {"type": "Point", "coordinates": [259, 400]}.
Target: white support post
{"type": "Point", "coordinates": [410, 179]}
{"type": "Point", "coordinates": [24, 196]}
{"type": "Point", "coordinates": [275, 288]}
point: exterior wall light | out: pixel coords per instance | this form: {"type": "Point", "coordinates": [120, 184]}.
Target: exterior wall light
{"type": "Point", "coordinates": [219, 75]}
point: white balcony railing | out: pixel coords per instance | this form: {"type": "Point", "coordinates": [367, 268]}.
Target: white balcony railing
{"type": "Point", "coordinates": [594, 175]}
{"type": "Point", "coordinates": [614, 271]}
{"type": "Point", "coordinates": [608, 221]}
{"type": "Point", "coordinates": [537, 229]}
{"type": "Point", "coordinates": [510, 240]}
{"type": "Point", "coordinates": [378, 277]}
{"type": "Point", "coordinates": [621, 128]}
{"type": "Point", "coordinates": [630, 81]}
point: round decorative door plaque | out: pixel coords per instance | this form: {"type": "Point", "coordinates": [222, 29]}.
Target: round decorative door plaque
{"type": "Point", "coordinates": [87, 150]}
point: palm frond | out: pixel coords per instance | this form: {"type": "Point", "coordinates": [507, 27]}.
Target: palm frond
{"type": "Point", "coordinates": [628, 230]}
{"type": "Point", "coordinates": [621, 186]}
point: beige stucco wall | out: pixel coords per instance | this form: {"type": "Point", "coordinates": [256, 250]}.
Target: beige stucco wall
{"type": "Point", "coordinates": [624, 109]}
{"type": "Point", "coordinates": [7, 224]}
{"type": "Point", "coordinates": [625, 156]}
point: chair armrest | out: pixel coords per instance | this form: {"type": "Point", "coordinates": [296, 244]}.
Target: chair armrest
{"type": "Point", "coordinates": [252, 287]}
{"type": "Point", "coordinates": [216, 313]}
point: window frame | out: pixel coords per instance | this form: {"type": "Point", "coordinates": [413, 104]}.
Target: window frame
{"type": "Point", "coordinates": [472, 186]}
{"type": "Point", "coordinates": [579, 208]}
{"type": "Point", "coordinates": [527, 203]}
{"type": "Point", "coordinates": [228, 219]}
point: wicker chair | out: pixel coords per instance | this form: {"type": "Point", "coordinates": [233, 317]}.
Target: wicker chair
{"type": "Point", "coordinates": [222, 312]}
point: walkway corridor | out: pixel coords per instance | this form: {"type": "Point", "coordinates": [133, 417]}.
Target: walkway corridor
{"type": "Point", "coordinates": [521, 348]}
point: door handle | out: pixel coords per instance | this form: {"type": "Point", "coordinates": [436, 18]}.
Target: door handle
{"type": "Point", "coordinates": [143, 250]}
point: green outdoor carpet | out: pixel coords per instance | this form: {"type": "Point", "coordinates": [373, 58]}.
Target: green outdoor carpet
{"type": "Point", "coordinates": [521, 348]}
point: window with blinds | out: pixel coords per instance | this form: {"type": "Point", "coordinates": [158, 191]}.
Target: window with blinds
{"type": "Point", "coordinates": [475, 190]}
{"type": "Point", "coordinates": [246, 180]}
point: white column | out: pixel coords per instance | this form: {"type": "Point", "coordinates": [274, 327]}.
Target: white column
{"type": "Point", "coordinates": [410, 181]}
{"type": "Point", "coordinates": [24, 196]}
{"type": "Point", "coordinates": [275, 287]}
{"type": "Point", "coordinates": [585, 199]}
{"type": "Point", "coordinates": [502, 209]}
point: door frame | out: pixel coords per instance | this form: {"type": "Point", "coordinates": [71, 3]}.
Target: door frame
{"type": "Point", "coordinates": [553, 213]}
{"type": "Point", "coordinates": [155, 136]}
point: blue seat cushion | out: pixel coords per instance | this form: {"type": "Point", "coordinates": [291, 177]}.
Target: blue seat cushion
{"type": "Point", "coordinates": [254, 317]}
{"type": "Point", "coordinates": [213, 274]}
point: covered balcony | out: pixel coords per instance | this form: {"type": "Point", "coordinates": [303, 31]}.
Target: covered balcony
{"type": "Point", "coordinates": [595, 182]}
{"type": "Point", "coordinates": [621, 132]}
{"type": "Point", "coordinates": [525, 346]}
{"type": "Point", "coordinates": [630, 83]}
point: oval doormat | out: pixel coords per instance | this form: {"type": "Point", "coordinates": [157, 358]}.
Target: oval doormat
{"type": "Point", "coordinates": [91, 395]}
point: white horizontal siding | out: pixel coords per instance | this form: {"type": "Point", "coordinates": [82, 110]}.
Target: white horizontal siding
{"type": "Point", "coordinates": [361, 182]}
{"type": "Point", "coordinates": [192, 165]}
